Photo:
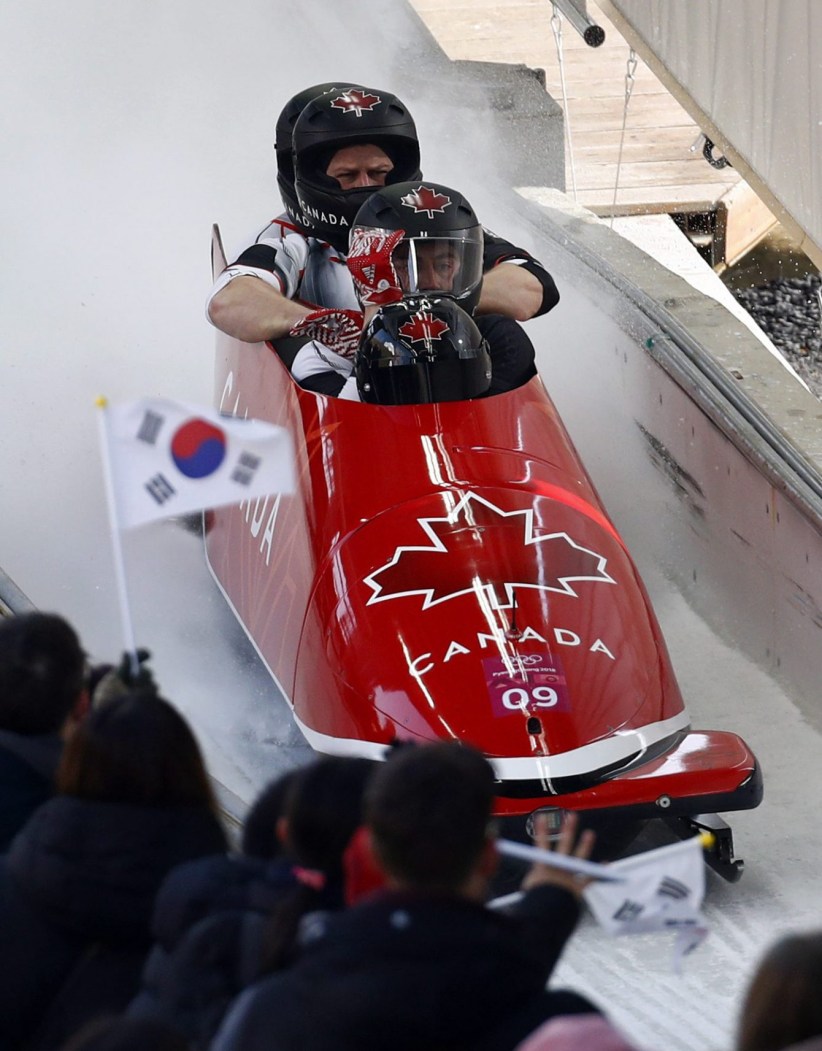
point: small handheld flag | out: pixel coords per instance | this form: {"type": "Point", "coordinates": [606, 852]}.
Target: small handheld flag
{"type": "Point", "coordinates": [162, 458]}
{"type": "Point", "coordinates": [662, 890]}
{"type": "Point", "coordinates": [592, 869]}
{"type": "Point", "coordinates": [657, 890]}
{"type": "Point", "coordinates": [168, 458]}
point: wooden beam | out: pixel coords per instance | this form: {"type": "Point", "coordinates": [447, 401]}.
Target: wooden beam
{"type": "Point", "coordinates": [743, 219]}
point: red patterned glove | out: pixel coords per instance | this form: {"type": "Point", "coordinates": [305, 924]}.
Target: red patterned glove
{"type": "Point", "coordinates": [339, 330]}
{"type": "Point", "coordinates": [369, 260]}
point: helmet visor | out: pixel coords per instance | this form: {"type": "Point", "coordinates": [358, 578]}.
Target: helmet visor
{"type": "Point", "coordinates": [444, 265]}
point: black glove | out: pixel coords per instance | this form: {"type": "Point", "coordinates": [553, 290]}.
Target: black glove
{"type": "Point", "coordinates": [123, 679]}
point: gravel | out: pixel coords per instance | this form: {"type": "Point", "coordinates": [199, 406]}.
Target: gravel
{"type": "Point", "coordinates": [788, 310]}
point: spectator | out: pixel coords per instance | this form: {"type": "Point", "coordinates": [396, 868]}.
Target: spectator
{"type": "Point", "coordinates": [782, 1006]}
{"type": "Point", "coordinates": [42, 696]}
{"type": "Point", "coordinates": [261, 835]}
{"type": "Point", "coordinates": [131, 675]}
{"type": "Point", "coordinates": [256, 878]}
{"type": "Point", "coordinates": [423, 963]}
{"type": "Point", "coordinates": [223, 922]}
{"type": "Point", "coordinates": [77, 887]}
{"type": "Point", "coordinates": [575, 1032]}
{"type": "Point", "coordinates": [126, 1034]}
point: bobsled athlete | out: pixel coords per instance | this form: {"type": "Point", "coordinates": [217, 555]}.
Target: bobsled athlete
{"type": "Point", "coordinates": [345, 142]}
{"type": "Point", "coordinates": [420, 240]}
{"type": "Point", "coordinates": [423, 238]}
{"type": "Point", "coordinates": [421, 350]}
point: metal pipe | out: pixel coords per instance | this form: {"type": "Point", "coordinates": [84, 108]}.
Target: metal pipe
{"type": "Point", "coordinates": [577, 15]}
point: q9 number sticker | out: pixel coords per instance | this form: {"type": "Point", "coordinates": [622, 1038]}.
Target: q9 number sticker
{"type": "Point", "coordinates": [533, 683]}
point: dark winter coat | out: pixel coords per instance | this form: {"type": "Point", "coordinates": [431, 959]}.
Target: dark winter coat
{"type": "Point", "coordinates": [210, 928]}
{"type": "Point", "coordinates": [401, 973]}
{"type": "Point", "coordinates": [27, 768]}
{"type": "Point", "coordinates": [77, 891]}
{"type": "Point", "coordinates": [214, 884]}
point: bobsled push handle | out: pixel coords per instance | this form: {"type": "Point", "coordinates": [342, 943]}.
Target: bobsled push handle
{"type": "Point", "coordinates": [287, 346]}
{"type": "Point", "coordinates": [218, 259]}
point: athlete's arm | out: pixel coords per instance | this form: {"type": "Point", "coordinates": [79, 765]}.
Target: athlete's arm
{"type": "Point", "coordinates": [514, 284]}
{"type": "Point", "coordinates": [510, 290]}
{"type": "Point", "coordinates": [254, 298]}
{"type": "Point", "coordinates": [253, 311]}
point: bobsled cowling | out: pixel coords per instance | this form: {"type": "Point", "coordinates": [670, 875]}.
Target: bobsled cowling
{"type": "Point", "coordinates": [448, 571]}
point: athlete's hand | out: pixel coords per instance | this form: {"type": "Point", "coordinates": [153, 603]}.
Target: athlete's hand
{"type": "Point", "coordinates": [568, 844]}
{"type": "Point", "coordinates": [369, 260]}
{"type": "Point", "coordinates": [125, 679]}
{"type": "Point", "coordinates": [339, 330]}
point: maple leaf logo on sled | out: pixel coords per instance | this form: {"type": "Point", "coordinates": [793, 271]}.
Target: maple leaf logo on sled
{"type": "Point", "coordinates": [454, 563]}
{"type": "Point", "coordinates": [356, 102]}
{"type": "Point", "coordinates": [424, 199]}
{"type": "Point", "coordinates": [423, 327]}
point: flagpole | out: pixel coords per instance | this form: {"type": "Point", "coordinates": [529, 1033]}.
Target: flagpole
{"type": "Point", "coordinates": [580, 866]}
{"type": "Point", "coordinates": [116, 539]}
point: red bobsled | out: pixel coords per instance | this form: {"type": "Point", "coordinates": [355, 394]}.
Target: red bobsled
{"type": "Point", "coordinates": [448, 571]}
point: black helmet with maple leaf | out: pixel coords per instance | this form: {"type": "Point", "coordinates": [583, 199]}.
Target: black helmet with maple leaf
{"type": "Point", "coordinates": [421, 350]}
{"type": "Point", "coordinates": [442, 246]}
{"type": "Point", "coordinates": [283, 146]}
{"type": "Point", "coordinates": [352, 116]}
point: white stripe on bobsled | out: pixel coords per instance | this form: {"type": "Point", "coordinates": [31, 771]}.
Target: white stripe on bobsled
{"type": "Point", "coordinates": [599, 755]}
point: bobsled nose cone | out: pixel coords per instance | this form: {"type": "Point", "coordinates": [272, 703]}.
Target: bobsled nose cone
{"type": "Point", "coordinates": [484, 618]}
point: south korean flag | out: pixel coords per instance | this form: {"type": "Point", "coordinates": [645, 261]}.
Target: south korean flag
{"type": "Point", "coordinates": [660, 890]}
{"type": "Point", "coordinates": [164, 458]}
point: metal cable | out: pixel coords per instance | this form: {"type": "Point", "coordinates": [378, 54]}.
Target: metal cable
{"type": "Point", "coordinates": [630, 77]}
{"type": "Point", "coordinates": [556, 26]}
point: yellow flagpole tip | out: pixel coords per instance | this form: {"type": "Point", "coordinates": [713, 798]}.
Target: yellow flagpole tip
{"type": "Point", "coordinates": [707, 839]}
{"type": "Point", "coordinates": [101, 402]}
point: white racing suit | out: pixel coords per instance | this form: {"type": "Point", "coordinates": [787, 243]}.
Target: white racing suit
{"type": "Point", "coordinates": [310, 271]}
